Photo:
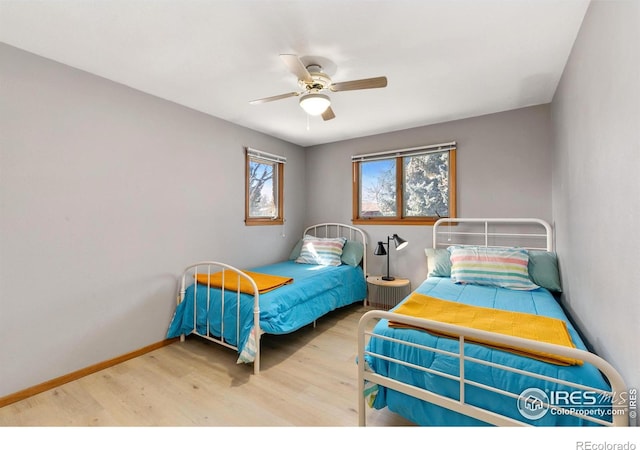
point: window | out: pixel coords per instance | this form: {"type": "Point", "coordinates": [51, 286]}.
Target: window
{"type": "Point", "coordinates": [411, 186]}
{"type": "Point", "coordinates": [264, 198]}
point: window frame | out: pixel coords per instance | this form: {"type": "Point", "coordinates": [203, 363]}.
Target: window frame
{"type": "Point", "coordinates": [278, 163]}
{"type": "Point", "coordinates": [399, 155]}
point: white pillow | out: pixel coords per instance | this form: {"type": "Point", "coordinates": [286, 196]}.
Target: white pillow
{"type": "Point", "coordinates": [502, 267]}
{"type": "Point", "coordinates": [321, 251]}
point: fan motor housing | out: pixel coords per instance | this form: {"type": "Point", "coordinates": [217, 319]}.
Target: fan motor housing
{"type": "Point", "coordinates": [320, 79]}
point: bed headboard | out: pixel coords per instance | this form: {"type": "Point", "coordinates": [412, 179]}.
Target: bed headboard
{"type": "Point", "coordinates": [532, 234]}
{"type": "Point", "coordinates": [340, 230]}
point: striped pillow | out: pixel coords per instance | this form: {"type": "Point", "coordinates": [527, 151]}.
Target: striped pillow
{"type": "Point", "coordinates": [502, 267]}
{"type": "Point", "coordinates": [322, 251]}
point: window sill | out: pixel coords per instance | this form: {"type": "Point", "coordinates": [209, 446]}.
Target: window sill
{"type": "Point", "coordinates": [259, 222]}
{"type": "Point", "coordinates": [394, 221]}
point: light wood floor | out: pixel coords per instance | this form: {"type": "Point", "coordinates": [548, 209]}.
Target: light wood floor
{"type": "Point", "coordinates": [308, 378]}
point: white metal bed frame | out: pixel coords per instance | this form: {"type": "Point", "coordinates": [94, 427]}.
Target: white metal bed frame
{"type": "Point", "coordinates": [620, 409]}
{"type": "Point", "coordinates": [190, 273]}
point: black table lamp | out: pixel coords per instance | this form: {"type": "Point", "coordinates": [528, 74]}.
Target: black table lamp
{"type": "Point", "coordinates": [380, 251]}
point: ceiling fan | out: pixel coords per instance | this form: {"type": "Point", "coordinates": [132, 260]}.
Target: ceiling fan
{"type": "Point", "coordinates": [314, 82]}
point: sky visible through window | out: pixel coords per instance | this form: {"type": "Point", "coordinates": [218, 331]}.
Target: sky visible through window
{"type": "Point", "coordinates": [372, 173]}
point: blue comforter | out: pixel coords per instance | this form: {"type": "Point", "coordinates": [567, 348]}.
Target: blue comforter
{"type": "Point", "coordinates": [315, 291]}
{"type": "Point", "coordinates": [538, 301]}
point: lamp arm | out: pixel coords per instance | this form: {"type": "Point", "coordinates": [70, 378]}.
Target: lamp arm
{"type": "Point", "coordinates": [388, 277]}
{"type": "Point", "coordinates": [388, 252]}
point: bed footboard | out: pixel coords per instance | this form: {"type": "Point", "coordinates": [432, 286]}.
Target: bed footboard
{"type": "Point", "coordinates": [206, 269]}
{"type": "Point", "coordinates": [366, 377]}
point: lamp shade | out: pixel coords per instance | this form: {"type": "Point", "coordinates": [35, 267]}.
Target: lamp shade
{"type": "Point", "coordinates": [380, 251]}
{"type": "Point", "coordinates": [400, 243]}
{"type": "Point", "coordinates": [315, 104]}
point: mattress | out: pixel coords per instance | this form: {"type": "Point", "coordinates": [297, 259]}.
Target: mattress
{"type": "Point", "coordinates": [315, 291]}
{"type": "Point", "coordinates": [538, 301]}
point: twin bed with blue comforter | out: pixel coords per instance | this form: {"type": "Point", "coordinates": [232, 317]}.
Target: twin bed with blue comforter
{"type": "Point", "coordinates": [235, 307]}
{"type": "Point", "coordinates": [417, 365]}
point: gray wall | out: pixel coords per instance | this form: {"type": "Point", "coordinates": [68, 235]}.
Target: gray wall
{"type": "Point", "coordinates": [504, 170]}
{"type": "Point", "coordinates": [596, 187]}
{"type": "Point", "coordinates": [106, 194]}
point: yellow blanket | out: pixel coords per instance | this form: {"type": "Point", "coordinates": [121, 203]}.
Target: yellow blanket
{"type": "Point", "coordinates": [528, 326]}
{"type": "Point", "coordinates": [264, 281]}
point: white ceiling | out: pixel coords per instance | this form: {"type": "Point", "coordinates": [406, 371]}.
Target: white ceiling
{"type": "Point", "coordinates": [444, 59]}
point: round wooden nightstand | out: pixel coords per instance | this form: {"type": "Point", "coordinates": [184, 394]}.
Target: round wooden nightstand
{"type": "Point", "coordinates": [384, 294]}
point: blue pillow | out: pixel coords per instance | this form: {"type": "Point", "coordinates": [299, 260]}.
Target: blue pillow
{"type": "Point", "coordinates": [296, 250]}
{"type": "Point", "coordinates": [438, 262]}
{"type": "Point", "coordinates": [543, 270]}
{"type": "Point", "coordinates": [352, 253]}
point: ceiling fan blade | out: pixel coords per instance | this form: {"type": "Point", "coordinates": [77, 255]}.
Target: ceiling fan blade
{"type": "Point", "coordinates": [275, 97]}
{"type": "Point", "coordinates": [297, 67]}
{"type": "Point", "coordinates": [328, 114]}
{"type": "Point", "coordinates": [365, 83]}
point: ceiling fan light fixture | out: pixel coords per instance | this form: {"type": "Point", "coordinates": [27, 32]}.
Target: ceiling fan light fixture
{"type": "Point", "coordinates": [315, 104]}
